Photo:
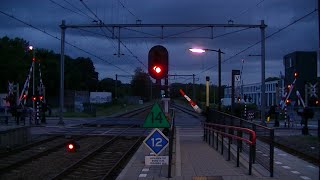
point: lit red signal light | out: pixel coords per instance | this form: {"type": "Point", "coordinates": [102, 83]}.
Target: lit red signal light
{"type": "Point", "coordinates": [157, 69]}
{"type": "Point", "coordinates": [34, 98]}
{"type": "Point", "coordinates": [40, 97]}
{"type": "Point", "coordinates": [70, 146]}
{"type": "Point", "coordinates": [287, 101]}
{"type": "Point", "coordinates": [295, 74]}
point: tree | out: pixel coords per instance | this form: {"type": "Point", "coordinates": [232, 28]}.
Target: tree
{"type": "Point", "coordinates": [140, 84]}
{"type": "Point", "coordinates": [16, 60]}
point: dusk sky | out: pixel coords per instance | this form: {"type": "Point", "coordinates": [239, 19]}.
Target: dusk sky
{"type": "Point", "coordinates": [47, 15]}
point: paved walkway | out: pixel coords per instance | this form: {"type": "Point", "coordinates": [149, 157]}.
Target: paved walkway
{"type": "Point", "coordinates": [192, 158]}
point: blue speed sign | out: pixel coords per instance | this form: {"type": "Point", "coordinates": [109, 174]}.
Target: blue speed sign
{"type": "Point", "coordinates": [156, 141]}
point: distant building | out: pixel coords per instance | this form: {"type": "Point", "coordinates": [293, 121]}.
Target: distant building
{"type": "Point", "coordinates": [252, 93]}
{"type": "Point", "coordinates": [305, 64]}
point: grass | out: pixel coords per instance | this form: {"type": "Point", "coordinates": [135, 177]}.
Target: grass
{"type": "Point", "coordinates": [104, 110]}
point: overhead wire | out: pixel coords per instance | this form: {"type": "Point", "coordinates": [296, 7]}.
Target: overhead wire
{"type": "Point", "coordinates": [258, 42]}
{"type": "Point", "coordinates": [55, 37]}
{"type": "Point", "coordinates": [102, 23]}
{"type": "Point", "coordinates": [246, 10]}
{"type": "Point", "coordinates": [79, 9]}
{"type": "Point", "coordinates": [84, 15]}
{"type": "Point", "coordinates": [105, 35]}
{"type": "Point", "coordinates": [137, 18]}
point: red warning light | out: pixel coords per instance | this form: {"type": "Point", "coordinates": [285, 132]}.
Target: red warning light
{"type": "Point", "coordinates": [157, 69]}
{"type": "Point", "coordinates": [40, 97]}
{"type": "Point", "coordinates": [287, 101]}
{"type": "Point", "coordinates": [70, 146]}
{"type": "Point", "coordinates": [295, 74]}
{"type": "Point", "coordinates": [24, 96]}
{"type": "Point", "coordinates": [34, 98]}
{"type": "Point", "coordinates": [317, 102]}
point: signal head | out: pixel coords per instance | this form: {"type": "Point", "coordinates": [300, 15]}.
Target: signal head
{"type": "Point", "coordinates": [158, 62]}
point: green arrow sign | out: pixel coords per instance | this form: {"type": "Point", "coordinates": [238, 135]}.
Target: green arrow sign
{"type": "Point", "coordinates": [156, 118]}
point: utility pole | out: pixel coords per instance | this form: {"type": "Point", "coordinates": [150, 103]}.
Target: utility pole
{"type": "Point", "coordinates": [263, 83]}
{"type": "Point", "coordinates": [219, 80]}
{"type": "Point", "coordinates": [318, 38]}
{"type": "Point", "coordinates": [33, 77]}
{"type": "Point", "coordinates": [116, 86]}
{"type": "Point", "coordinates": [63, 28]}
{"type": "Point", "coordinates": [207, 93]}
{"type": "Point", "coordinates": [193, 88]}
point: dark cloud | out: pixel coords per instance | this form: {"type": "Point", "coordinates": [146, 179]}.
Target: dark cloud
{"type": "Point", "coordinates": [47, 15]}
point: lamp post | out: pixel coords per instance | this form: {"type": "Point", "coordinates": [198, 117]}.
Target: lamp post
{"type": "Point", "coordinates": [196, 50]}
{"type": "Point", "coordinates": [31, 48]}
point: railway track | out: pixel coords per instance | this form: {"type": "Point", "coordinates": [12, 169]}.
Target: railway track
{"type": "Point", "coordinates": [135, 112]}
{"type": "Point", "coordinates": [187, 111]}
{"type": "Point", "coordinates": [103, 162]}
{"type": "Point", "coordinates": [48, 165]}
{"type": "Point", "coordinates": [28, 146]}
{"type": "Point", "coordinates": [48, 158]}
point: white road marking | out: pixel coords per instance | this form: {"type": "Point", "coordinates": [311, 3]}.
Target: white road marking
{"type": "Point", "coordinates": [311, 166]}
{"type": "Point", "coordinates": [145, 169]}
{"type": "Point", "coordinates": [295, 172]}
{"type": "Point", "coordinates": [286, 167]}
{"type": "Point", "coordinates": [282, 154]}
{"type": "Point", "coordinates": [143, 175]}
{"type": "Point", "coordinates": [304, 177]}
{"type": "Point", "coordinates": [264, 155]}
{"type": "Point", "coordinates": [277, 162]}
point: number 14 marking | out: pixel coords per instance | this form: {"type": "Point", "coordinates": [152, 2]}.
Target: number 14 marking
{"type": "Point", "coordinates": [157, 118]}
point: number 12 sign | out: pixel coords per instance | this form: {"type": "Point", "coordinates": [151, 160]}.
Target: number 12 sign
{"type": "Point", "coordinates": [156, 141]}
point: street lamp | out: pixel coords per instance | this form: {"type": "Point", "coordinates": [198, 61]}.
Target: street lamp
{"type": "Point", "coordinates": [31, 48]}
{"type": "Point", "coordinates": [197, 50]}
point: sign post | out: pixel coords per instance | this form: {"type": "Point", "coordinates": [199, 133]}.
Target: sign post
{"type": "Point", "coordinates": [156, 140]}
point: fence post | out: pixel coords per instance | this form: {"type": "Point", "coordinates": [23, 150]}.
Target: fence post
{"type": "Point", "coordinates": [204, 132]}
{"type": "Point", "coordinates": [240, 134]}
{"type": "Point", "coordinates": [254, 146]}
{"type": "Point", "coordinates": [238, 152]}
{"type": "Point", "coordinates": [229, 142]}
{"type": "Point", "coordinates": [209, 137]}
{"type": "Point", "coordinates": [221, 144]}
{"type": "Point", "coordinates": [271, 151]}
{"type": "Point", "coordinates": [217, 141]}
{"type": "Point", "coordinates": [212, 137]}
{"type": "Point", "coordinates": [250, 155]}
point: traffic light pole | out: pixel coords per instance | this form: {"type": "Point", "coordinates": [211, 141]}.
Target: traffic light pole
{"type": "Point", "coordinates": [263, 78]}
{"type": "Point", "coordinates": [63, 28]}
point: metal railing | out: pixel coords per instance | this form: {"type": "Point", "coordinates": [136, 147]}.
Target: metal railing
{"type": "Point", "coordinates": [223, 130]}
{"type": "Point", "coordinates": [263, 150]}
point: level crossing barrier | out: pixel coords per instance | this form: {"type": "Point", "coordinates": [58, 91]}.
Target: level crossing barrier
{"type": "Point", "coordinates": [263, 149]}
